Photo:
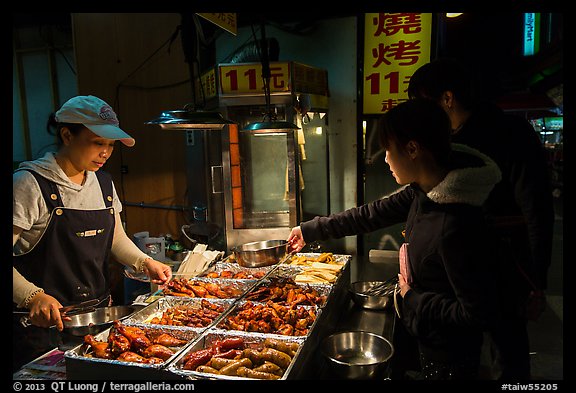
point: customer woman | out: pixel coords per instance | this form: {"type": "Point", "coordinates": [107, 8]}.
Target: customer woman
{"type": "Point", "coordinates": [66, 224]}
{"type": "Point", "coordinates": [446, 271]}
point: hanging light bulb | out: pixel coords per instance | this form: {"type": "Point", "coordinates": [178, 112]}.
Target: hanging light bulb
{"type": "Point", "coordinates": [192, 116]}
{"type": "Point", "coordinates": [269, 121]}
{"type": "Point", "coordinates": [188, 118]}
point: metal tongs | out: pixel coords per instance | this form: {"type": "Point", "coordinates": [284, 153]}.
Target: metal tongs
{"type": "Point", "coordinates": [73, 309]}
{"type": "Point", "coordinates": [384, 288]}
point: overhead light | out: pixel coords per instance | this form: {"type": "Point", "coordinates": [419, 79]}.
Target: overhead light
{"type": "Point", "coordinates": [264, 126]}
{"type": "Point", "coordinates": [269, 122]}
{"type": "Point", "coordinates": [453, 14]}
{"type": "Point", "coordinates": [185, 119]}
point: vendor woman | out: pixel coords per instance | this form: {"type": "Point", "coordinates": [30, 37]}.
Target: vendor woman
{"type": "Point", "coordinates": [66, 225]}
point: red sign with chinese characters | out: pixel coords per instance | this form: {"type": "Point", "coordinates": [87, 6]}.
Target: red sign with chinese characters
{"type": "Point", "coordinates": [247, 78]}
{"type": "Point", "coordinates": [395, 46]}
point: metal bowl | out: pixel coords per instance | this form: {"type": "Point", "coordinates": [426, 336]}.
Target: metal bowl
{"type": "Point", "coordinates": [94, 322]}
{"type": "Point", "coordinates": [373, 302]}
{"type": "Point", "coordinates": [356, 354]}
{"type": "Point", "coordinates": [260, 254]}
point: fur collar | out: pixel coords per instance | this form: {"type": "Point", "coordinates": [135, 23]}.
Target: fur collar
{"type": "Point", "coordinates": [470, 185]}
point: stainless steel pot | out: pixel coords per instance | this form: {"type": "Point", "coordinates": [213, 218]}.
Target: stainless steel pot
{"type": "Point", "coordinates": [96, 321]}
{"type": "Point", "coordinates": [259, 254]}
{"type": "Point", "coordinates": [356, 354]}
{"type": "Point", "coordinates": [373, 295]}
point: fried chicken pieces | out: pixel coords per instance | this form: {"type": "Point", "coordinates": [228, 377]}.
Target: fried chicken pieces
{"type": "Point", "coordinates": [199, 315]}
{"type": "Point", "coordinates": [183, 287]}
{"type": "Point", "coordinates": [132, 344]}
{"type": "Point", "coordinates": [287, 292]}
{"type": "Point", "coordinates": [271, 318]}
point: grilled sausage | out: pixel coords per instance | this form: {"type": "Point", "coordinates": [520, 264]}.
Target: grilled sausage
{"type": "Point", "coordinates": [218, 363]}
{"type": "Point", "coordinates": [231, 369]}
{"type": "Point", "coordinates": [253, 355]}
{"type": "Point", "coordinates": [197, 358]}
{"type": "Point", "coordinates": [231, 343]}
{"type": "Point", "coordinates": [277, 357]}
{"type": "Point", "coordinates": [231, 354]}
{"type": "Point", "coordinates": [289, 348]}
{"type": "Point", "coordinates": [207, 369]}
{"type": "Point", "coordinates": [271, 368]}
{"type": "Point", "coordinates": [247, 372]}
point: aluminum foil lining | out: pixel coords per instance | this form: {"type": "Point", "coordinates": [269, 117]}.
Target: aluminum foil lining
{"type": "Point", "coordinates": [158, 307]}
{"type": "Point", "coordinates": [82, 351]}
{"type": "Point", "coordinates": [220, 267]}
{"type": "Point", "coordinates": [251, 340]}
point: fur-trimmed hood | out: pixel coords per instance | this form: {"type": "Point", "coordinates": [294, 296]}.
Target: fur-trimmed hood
{"type": "Point", "coordinates": [468, 184]}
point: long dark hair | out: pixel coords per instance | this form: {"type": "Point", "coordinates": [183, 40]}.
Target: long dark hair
{"type": "Point", "coordinates": [421, 120]}
{"type": "Point", "coordinates": [55, 128]}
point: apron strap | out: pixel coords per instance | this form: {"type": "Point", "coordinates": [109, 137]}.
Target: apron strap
{"type": "Point", "coordinates": [49, 191]}
{"type": "Point", "coordinates": [52, 197]}
{"type": "Point", "coordinates": [105, 180]}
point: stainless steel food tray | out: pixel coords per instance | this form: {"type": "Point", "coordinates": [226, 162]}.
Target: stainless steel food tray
{"type": "Point", "coordinates": [321, 289]}
{"type": "Point", "coordinates": [80, 366]}
{"type": "Point", "coordinates": [252, 340]}
{"type": "Point", "coordinates": [239, 304]}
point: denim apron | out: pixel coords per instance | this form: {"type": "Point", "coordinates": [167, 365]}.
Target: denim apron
{"type": "Point", "coordinates": [69, 261]}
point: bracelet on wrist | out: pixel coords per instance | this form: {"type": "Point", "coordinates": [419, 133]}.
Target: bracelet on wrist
{"type": "Point", "coordinates": [31, 296]}
{"type": "Point", "coordinates": [142, 265]}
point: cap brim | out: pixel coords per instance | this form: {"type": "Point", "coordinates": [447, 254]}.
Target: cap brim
{"type": "Point", "coordinates": [109, 131]}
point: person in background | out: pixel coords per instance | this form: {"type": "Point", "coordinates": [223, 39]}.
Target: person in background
{"type": "Point", "coordinates": [446, 263]}
{"type": "Point", "coordinates": [66, 225]}
{"type": "Point", "coordinates": [520, 207]}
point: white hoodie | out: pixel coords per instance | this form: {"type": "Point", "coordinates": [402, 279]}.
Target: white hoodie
{"type": "Point", "coordinates": [29, 212]}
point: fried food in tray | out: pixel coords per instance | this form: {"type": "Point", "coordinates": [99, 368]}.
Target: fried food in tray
{"type": "Point", "coordinates": [197, 313]}
{"type": "Point", "coordinates": [285, 291]}
{"type": "Point", "coordinates": [183, 315]}
{"type": "Point", "coordinates": [270, 318]}
{"type": "Point", "coordinates": [193, 313]}
{"type": "Point", "coordinates": [324, 268]}
{"type": "Point", "coordinates": [132, 344]}
{"type": "Point", "coordinates": [206, 288]}
{"type": "Point", "coordinates": [231, 356]}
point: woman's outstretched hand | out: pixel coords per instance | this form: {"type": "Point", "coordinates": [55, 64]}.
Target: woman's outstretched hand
{"type": "Point", "coordinates": [158, 272]}
{"type": "Point", "coordinates": [296, 240]}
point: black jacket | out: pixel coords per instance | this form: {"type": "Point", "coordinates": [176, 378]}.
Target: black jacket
{"type": "Point", "coordinates": [520, 205]}
{"type": "Point", "coordinates": [450, 252]}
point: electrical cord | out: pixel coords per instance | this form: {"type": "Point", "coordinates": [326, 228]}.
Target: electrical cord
{"type": "Point", "coordinates": [120, 85]}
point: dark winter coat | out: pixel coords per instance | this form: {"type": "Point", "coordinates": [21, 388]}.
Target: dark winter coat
{"type": "Point", "coordinates": [452, 297]}
{"type": "Point", "coordinates": [522, 201]}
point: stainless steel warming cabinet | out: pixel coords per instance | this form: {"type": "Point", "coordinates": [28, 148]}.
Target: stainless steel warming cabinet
{"type": "Point", "coordinates": [262, 182]}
